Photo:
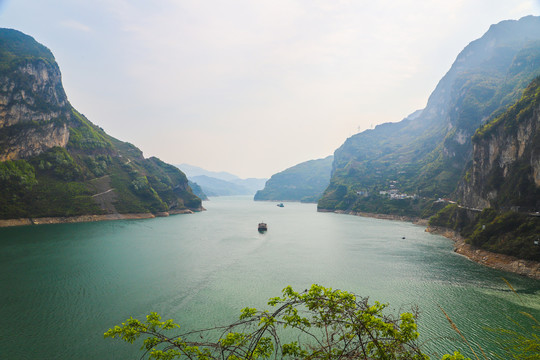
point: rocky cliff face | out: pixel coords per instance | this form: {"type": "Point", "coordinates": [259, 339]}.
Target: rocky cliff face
{"type": "Point", "coordinates": [31, 92]}
{"type": "Point", "coordinates": [33, 108]}
{"type": "Point", "coordinates": [31, 141]}
{"type": "Point", "coordinates": [506, 159]}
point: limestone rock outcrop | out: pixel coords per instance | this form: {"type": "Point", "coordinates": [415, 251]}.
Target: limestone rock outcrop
{"type": "Point", "coordinates": [505, 172]}
{"type": "Point", "coordinates": [34, 108]}
{"type": "Point", "coordinates": [34, 140]}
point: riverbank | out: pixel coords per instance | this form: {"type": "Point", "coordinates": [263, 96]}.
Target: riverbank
{"type": "Point", "coordinates": [490, 259]}
{"type": "Point", "coordinates": [414, 220]}
{"type": "Point", "coordinates": [487, 258]}
{"type": "Point", "coordinates": [88, 218]}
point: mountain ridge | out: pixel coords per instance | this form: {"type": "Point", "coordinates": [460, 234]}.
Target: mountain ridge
{"type": "Point", "coordinates": [55, 163]}
{"type": "Point", "coordinates": [426, 155]}
{"type": "Point", "coordinates": [221, 183]}
{"type": "Point", "coordinates": [192, 170]}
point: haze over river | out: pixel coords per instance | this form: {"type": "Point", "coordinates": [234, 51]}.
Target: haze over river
{"type": "Point", "coordinates": [62, 286]}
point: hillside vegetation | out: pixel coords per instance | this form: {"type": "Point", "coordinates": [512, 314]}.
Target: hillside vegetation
{"type": "Point", "coordinates": [56, 162]}
{"type": "Point", "coordinates": [423, 157]}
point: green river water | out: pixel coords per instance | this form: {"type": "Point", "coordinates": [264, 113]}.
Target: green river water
{"type": "Point", "coordinates": [62, 286]}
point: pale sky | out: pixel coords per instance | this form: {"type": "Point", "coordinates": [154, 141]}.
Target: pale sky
{"type": "Point", "coordinates": [251, 87]}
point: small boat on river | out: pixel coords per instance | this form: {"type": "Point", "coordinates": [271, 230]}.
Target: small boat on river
{"type": "Point", "coordinates": [263, 227]}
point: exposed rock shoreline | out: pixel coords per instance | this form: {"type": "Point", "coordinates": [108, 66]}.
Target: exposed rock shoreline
{"type": "Point", "coordinates": [490, 259]}
{"type": "Point", "coordinates": [88, 218]}
{"type": "Point", "coordinates": [414, 220]}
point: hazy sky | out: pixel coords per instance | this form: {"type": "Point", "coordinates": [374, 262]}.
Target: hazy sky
{"type": "Point", "coordinates": [251, 87]}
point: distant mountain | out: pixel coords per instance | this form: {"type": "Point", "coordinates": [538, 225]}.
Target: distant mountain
{"type": "Point", "coordinates": [303, 182]}
{"type": "Point", "coordinates": [55, 163]}
{"type": "Point", "coordinates": [251, 184]}
{"type": "Point", "coordinates": [217, 187]}
{"type": "Point", "coordinates": [191, 171]}
{"type": "Point", "coordinates": [222, 183]}
{"type": "Point", "coordinates": [401, 168]}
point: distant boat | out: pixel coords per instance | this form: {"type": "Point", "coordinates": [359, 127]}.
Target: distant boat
{"type": "Point", "coordinates": [280, 205]}
{"type": "Point", "coordinates": [263, 227]}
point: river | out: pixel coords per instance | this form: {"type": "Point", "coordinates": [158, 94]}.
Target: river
{"type": "Point", "coordinates": [62, 286]}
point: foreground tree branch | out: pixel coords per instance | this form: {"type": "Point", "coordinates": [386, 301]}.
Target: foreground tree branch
{"type": "Point", "coordinates": [319, 323]}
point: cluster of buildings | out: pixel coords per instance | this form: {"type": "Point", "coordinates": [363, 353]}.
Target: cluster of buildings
{"type": "Point", "coordinates": [393, 193]}
{"type": "Point", "coordinates": [396, 195]}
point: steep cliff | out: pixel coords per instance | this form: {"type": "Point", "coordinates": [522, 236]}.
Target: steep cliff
{"type": "Point", "coordinates": [55, 162]}
{"type": "Point", "coordinates": [303, 182]}
{"type": "Point", "coordinates": [425, 155]}
{"type": "Point", "coordinates": [33, 104]}
{"type": "Point", "coordinates": [505, 173]}
{"type": "Point", "coordinates": [499, 196]}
